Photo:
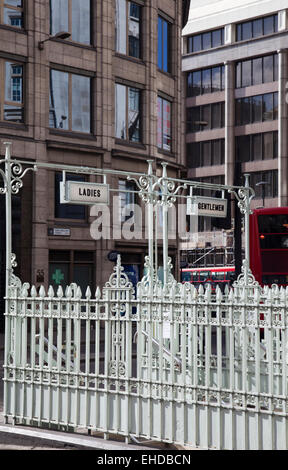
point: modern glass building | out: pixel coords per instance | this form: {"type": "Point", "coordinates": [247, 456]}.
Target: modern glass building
{"type": "Point", "coordinates": [236, 73]}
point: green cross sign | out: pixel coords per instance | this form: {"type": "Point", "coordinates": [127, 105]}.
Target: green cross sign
{"type": "Point", "coordinates": [58, 276]}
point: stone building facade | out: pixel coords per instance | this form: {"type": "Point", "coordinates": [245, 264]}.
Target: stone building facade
{"type": "Point", "coordinates": [107, 96]}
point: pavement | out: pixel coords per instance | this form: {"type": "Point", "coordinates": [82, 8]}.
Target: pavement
{"type": "Point", "coordinates": [29, 438]}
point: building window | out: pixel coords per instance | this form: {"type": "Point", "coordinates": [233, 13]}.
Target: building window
{"type": "Point", "coordinates": [12, 106]}
{"type": "Point", "coordinates": [206, 153]}
{"type": "Point", "coordinates": [255, 147]}
{"type": "Point", "coordinates": [270, 177]}
{"type": "Point", "coordinates": [258, 108]}
{"type": "Point", "coordinates": [12, 13]}
{"type": "Point", "coordinates": [128, 20]}
{"type": "Point", "coordinates": [72, 16]}
{"type": "Point", "coordinates": [207, 40]}
{"type": "Point", "coordinates": [164, 124]}
{"type": "Point", "coordinates": [70, 101]}
{"type": "Point", "coordinates": [68, 211]}
{"type": "Point", "coordinates": [256, 28]}
{"type": "Point", "coordinates": [201, 118]}
{"type": "Point", "coordinates": [205, 81]}
{"type": "Point", "coordinates": [164, 46]}
{"type": "Point", "coordinates": [127, 113]}
{"type": "Point", "coordinates": [257, 71]}
{"type": "Point", "coordinates": [66, 267]}
{"type": "Point", "coordinates": [127, 197]}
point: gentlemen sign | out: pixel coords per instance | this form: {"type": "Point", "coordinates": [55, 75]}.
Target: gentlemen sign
{"type": "Point", "coordinates": [207, 206]}
{"type": "Point", "coordinates": [73, 192]}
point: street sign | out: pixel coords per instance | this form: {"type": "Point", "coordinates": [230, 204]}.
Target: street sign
{"type": "Point", "coordinates": [74, 192]}
{"type": "Point", "coordinates": [207, 206]}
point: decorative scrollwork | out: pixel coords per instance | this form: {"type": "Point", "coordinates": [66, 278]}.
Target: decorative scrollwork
{"type": "Point", "coordinates": [246, 278]}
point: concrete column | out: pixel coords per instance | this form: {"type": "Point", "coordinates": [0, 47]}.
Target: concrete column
{"type": "Point", "coordinates": [229, 122]}
{"type": "Point", "coordinates": [283, 129]}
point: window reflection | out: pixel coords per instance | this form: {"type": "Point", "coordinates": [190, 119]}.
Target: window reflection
{"type": "Point", "coordinates": [257, 71]}
{"type": "Point", "coordinates": [13, 13]}
{"type": "Point", "coordinates": [164, 45]}
{"type": "Point", "coordinates": [258, 108]}
{"type": "Point", "coordinates": [164, 124]}
{"type": "Point", "coordinates": [13, 105]}
{"type": "Point", "coordinates": [206, 81]}
{"type": "Point", "coordinates": [127, 113]}
{"type": "Point", "coordinates": [127, 26]}
{"type": "Point", "coordinates": [257, 28]}
{"type": "Point", "coordinates": [72, 16]}
{"type": "Point", "coordinates": [257, 147]}
{"type": "Point", "coordinates": [69, 101]}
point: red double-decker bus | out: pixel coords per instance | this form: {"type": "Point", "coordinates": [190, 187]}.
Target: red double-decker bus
{"type": "Point", "coordinates": [269, 245]}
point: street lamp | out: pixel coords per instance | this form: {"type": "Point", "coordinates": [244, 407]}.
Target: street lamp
{"type": "Point", "coordinates": [60, 35]}
{"type": "Point", "coordinates": [262, 184]}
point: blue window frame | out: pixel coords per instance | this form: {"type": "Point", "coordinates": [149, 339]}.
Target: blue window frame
{"type": "Point", "coordinates": [164, 62]}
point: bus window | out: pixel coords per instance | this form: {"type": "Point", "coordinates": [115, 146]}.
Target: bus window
{"type": "Point", "coordinates": [185, 277]}
{"type": "Point", "coordinates": [204, 275]}
{"type": "Point", "coordinates": [218, 276]}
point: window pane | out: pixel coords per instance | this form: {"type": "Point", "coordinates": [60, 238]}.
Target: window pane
{"type": "Point", "coordinates": [216, 116]}
{"type": "Point", "coordinates": [160, 43]}
{"type": "Point", "coordinates": [239, 32]}
{"type": "Point", "coordinates": [268, 69]}
{"type": "Point", "coordinates": [268, 25]}
{"type": "Point", "coordinates": [13, 92]}
{"type": "Point", "coordinates": [58, 16]}
{"type": "Point", "coordinates": [206, 81]}
{"type": "Point", "coordinates": [257, 71]}
{"type": "Point", "coordinates": [196, 83]}
{"type": "Point", "coordinates": [81, 103]}
{"type": "Point", "coordinates": [238, 112]}
{"type": "Point", "coordinates": [81, 21]}
{"type": "Point", "coordinates": [268, 107]}
{"type": "Point", "coordinates": [217, 38]}
{"type": "Point", "coordinates": [275, 58]}
{"type": "Point", "coordinates": [120, 112]}
{"type": "Point", "coordinates": [165, 46]}
{"type": "Point", "coordinates": [120, 19]}
{"type": "Point", "coordinates": [243, 148]}
{"type": "Point", "coordinates": [275, 106]}
{"type": "Point", "coordinates": [216, 152]}
{"type": "Point", "coordinates": [193, 119]}
{"type": "Point", "coordinates": [206, 117]}
{"type": "Point", "coordinates": [206, 153]}
{"type": "Point", "coordinates": [257, 147]}
{"type": "Point", "coordinates": [59, 105]}
{"type": "Point", "coordinates": [275, 144]}
{"type": "Point", "coordinates": [247, 30]}
{"type": "Point", "coordinates": [239, 75]}
{"type": "Point", "coordinates": [166, 125]}
{"type": "Point", "coordinates": [257, 28]}
{"type": "Point", "coordinates": [159, 122]}
{"type": "Point", "coordinates": [268, 145]}
{"type": "Point", "coordinates": [13, 17]}
{"type": "Point", "coordinates": [134, 30]}
{"type": "Point", "coordinates": [197, 43]}
{"type": "Point", "coordinates": [246, 73]}
{"type": "Point", "coordinates": [246, 111]}
{"type": "Point", "coordinates": [193, 155]}
{"type": "Point", "coordinates": [257, 108]}
{"type": "Point", "coordinates": [83, 276]}
{"type": "Point", "coordinates": [216, 79]}
{"type": "Point", "coordinates": [134, 114]}
{"type": "Point", "coordinates": [67, 211]}
{"type": "Point", "coordinates": [206, 40]}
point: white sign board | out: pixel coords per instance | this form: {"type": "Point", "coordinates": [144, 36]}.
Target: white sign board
{"type": "Point", "coordinates": [207, 206]}
{"type": "Point", "coordinates": [74, 192]}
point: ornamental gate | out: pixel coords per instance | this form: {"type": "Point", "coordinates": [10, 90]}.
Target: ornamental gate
{"type": "Point", "coordinates": [167, 362]}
